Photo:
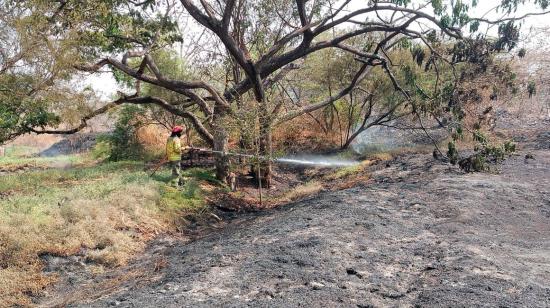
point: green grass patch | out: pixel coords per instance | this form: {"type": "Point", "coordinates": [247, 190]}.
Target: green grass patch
{"type": "Point", "coordinates": [346, 171]}
{"type": "Point", "coordinates": [30, 181]}
{"type": "Point", "coordinates": [41, 161]}
{"type": "Point", "coordinates": [110, 209]}
{"type": "Point", "coordinates": [188, 198]}
{"type": "Point", "coordinates": [15, 151]}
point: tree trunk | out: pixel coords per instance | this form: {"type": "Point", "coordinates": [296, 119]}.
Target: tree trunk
{"type": "Point", "coordinates": [221, 138]}
{"type": "Point", "coordinates": [266, 147]}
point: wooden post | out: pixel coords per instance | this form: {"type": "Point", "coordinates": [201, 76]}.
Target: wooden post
{"type": "Point", "coordinates": [259, 182]}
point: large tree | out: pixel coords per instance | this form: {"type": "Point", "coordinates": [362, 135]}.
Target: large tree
{"type": "Point", "coordinates": [240, 49]}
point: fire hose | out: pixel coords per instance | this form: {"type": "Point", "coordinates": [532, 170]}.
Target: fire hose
{"type": "Point", "coordinates": [259, 158]}
{"type": "Point", "coordinates": [158, 165]}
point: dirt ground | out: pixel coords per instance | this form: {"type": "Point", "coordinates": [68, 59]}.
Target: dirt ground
{"type": "Point", "coordinates": [420, 233]}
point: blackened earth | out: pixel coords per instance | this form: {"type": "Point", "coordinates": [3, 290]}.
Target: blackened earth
{"type": "Point", "coordinates": [422, 234]}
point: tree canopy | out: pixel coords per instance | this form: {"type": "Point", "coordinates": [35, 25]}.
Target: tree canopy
{"type": "Point", "coordinates": [200, 60]}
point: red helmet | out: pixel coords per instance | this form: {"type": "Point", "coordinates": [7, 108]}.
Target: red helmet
{"type": "Point", "coordinates": [177, 129]}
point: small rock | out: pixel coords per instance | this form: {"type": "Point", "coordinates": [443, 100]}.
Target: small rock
{"type": "Point", "coordinates": [316, 285]}
{"type": "Point", "coordinates": [268, 293]}
{"type": "Point", "coordinates": [529, 156]}
{"type": "Point", "coordinates": [115, 303]}
{"type": "Point", "coordinates": [352, 271]}
{"type": "Point", "coordinates": [392, 295]}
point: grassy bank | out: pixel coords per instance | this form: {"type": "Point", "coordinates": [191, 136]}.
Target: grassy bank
{"type": "Point", "coordinates": [105, 212]}
{"type": "Point", "coordinates": [24, 158]}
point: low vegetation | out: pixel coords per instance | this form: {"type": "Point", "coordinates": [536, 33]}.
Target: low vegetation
{"type": "Point", "coordinates": [24, 157]}
{"type": "Point", "coordinates": [299, 192]}
{"type": "Point", "coordinates": [104, 213]}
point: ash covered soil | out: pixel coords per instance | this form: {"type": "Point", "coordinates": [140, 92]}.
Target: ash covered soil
{"type": "Point", "coordinates": [421, 233]}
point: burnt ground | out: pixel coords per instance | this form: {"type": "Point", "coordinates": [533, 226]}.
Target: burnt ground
{"type": "Point", "coordinates": [420, 233]}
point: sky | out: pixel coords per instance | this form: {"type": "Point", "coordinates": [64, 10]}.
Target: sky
{"type": "Point", "coordinates": [105, 85]}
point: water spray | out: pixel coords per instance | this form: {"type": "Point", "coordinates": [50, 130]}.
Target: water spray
{"type": "Point", "coordinates": [309, 160]}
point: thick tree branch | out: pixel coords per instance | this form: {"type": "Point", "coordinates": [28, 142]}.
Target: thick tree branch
{"type": "Point", "coordinates": [83, 121]}
{"type": "Point", "coordinates": [450, 31]}
{"type": "Point", "coordinates": [359, 76]}
{"type": "Point", "coordinates": [203, 132]}
{"type": "Point", "coordinates": [182, 87]}
{"type": "Point", "coordinates": [301, 5]}
{"type": "Point", "coordinates": [229, 5]}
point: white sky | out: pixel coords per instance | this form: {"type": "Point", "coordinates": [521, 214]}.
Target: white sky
{"type": "Point", "coordinates": [105, 85]}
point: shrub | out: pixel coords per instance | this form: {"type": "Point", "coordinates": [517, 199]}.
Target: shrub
{"type": "Point", "coordinates": [452, 152]}
{"type": "Point", "coordinates": [122, 143]}
{"type": "Point", "coordinates": [487, 153]}
{"type": "Point", "coordinates": [531, 88]}
{"type": "Point", "coordinates": [102, 148]}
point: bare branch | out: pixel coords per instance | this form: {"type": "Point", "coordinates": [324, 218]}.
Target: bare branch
{"type": "Point", "coordinates": [182, 87]}
{"type": "Point", "coordinates": [501, 20]}
{"type": "Point", "coordinates": [451, 31]}
{"type": "Point", "coordinates": [133, 99]}
{"type": "Point", "coordinates": [359, 76]}
{"type": "Point", "coordinates": [230, 4]}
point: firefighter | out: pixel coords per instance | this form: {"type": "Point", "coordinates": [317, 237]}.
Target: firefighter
{"type": "Point", "coordinates": [173, 154]}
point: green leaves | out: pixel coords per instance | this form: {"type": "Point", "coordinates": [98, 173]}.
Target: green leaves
{"type": "Point", "coordinates": [543, 3]}
{"type": "Point", "coordinates": [401, 2]}
{"type": "Point", "coordinates": [474, 26]}
{"type": "Point", "coordinates": [531, 88]}
{"type": "Point", "coordinates": [478, 136]}
{"type": "Point", "coordinates": [438, 7]}
{"type": "Point", "coordinates": [109, 25]}
{"type": "Point", "coordinates": [409, 75]}
{"type": "Point", "coordinates": [446, 21]}
{"type": "Point", "coordinates": [452, 152]}
{"type": "Point", "coordinates": [418, 54]}
{"type": "Point", "coordinates": [123, 143]}
{"type": "Point", "coordinates": [20, 113]}
{"type": "Point", "coordinates": [508, 36]}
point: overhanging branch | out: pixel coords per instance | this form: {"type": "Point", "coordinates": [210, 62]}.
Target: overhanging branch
{"type": "Point", "coordinates": [173, 109]}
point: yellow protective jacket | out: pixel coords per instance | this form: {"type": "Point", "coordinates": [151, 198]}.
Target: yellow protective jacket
{"type": "Point", "coordinates": [173, 149]}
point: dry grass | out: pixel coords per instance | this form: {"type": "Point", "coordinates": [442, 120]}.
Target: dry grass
{"type": "Point", "coordinates": [38, 141]}
{"type": "Point", "coordinates": [153, 138]}
{"type": "Point", "coordinates": [339, 179]}
{"type": "Point", "coordinates": [106, 213]}
{"type": "Point", "coordinates": [383, 156]}
{"type": "Point", "coordinates": [304, 133]}
{"type": "Point", "coordinates": [299, 192]}
{"type": "Point", "coordinates": [346, 172]}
